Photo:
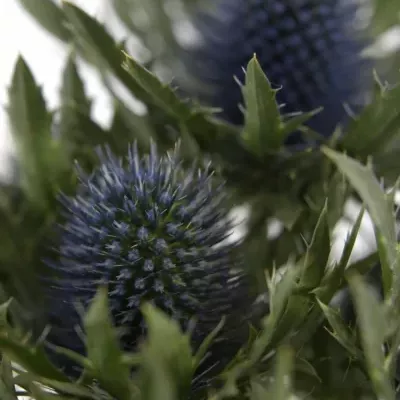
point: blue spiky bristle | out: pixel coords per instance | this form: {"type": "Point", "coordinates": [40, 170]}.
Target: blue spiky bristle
{"type": "Point", "coordinates": [310, 49]}
{"type": "Point", "coordinates": [152, 231]}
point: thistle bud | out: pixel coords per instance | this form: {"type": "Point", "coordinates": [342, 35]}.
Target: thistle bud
{"type": "Point", "coordinates": [310, 50]}
{"type": "Point", "coordinates": [152, 231]}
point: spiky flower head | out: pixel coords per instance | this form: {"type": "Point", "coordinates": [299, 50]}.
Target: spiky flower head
{"type": "Point", "coordinates": [309, 49]}
{"type": "Point", "coordinates": [152, 231]}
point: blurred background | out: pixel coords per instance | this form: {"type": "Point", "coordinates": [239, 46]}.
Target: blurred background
{"type": "Point", "coordinates": [46, 56]}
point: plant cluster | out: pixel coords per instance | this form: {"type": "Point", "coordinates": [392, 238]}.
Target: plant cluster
{"type": "Point", "coordinates": [120, 278]}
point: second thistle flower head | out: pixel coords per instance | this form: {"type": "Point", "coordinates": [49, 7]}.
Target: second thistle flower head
{"type": "Point", "coordinates": [310, 49]}
{"type": "Point", "coordinates": [152, 231]}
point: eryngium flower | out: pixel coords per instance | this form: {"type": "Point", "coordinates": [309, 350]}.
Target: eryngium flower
{"type": "Point", "coordinates": [152, 231]}
{"type": "Point", "coordinates": [310, 49]}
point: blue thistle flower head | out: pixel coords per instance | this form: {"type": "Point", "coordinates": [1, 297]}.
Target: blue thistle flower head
{"type": "Point", "coordinates": [309, 49]}
{"type": "Point", "coordinates": [152, 231]}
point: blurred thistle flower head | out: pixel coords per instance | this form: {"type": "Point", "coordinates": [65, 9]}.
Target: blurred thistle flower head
{"type": "Point", "coordinates": [150, 230]}
{"type": "Point", "coordinates": [310, 50]}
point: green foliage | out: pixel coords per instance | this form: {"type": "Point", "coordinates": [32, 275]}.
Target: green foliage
{"type": "Point", "coordinates": [299, 344]}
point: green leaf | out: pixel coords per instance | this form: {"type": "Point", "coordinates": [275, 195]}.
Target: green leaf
{"type": "Point", "coordinates": [292, 124]}
{"type": "Point", "coordinates": [167, 364]}
{"type": "Point", "coordinates": [134, 127]}
{"type": "Point", "coordinates": [33, 359]}
{"type": "Point", "coordinates": [305, 367]}
{"type": "Point", "coordinates": [385, 15]}
{"type": "Point", "coordinates": [73, 89]}
{"type": "Point", "coordinates": [377, 126]}
{"type": "Point", "coordinates": [29, 118]}
{"type": "Point", "coordinates": [103, 349]}
{"type": "Point", "coordinates": [7, 387]}
{"type": "Point", "coordinates": [74, 103]}
{"type": "Point", "coordinates": [160, 94]}
{"type": "Point", "coordinates": [317, 254]}
{"type": "Point", "coordinates": [281, 388]}
{"type": "Point", "coordinates": [279, 293]}
{"type": "Point", "coordinates": [379, 206]}
{"type": "Point", "coordinates": [202, 350]}
{"type": "Point", "coordinates": [334, 278]}
{"type": "Point", "coordinates": [49, 16]}
{"type": "Point", "coordinates": [262, 118]}
{"type": "Point", "coordinates": [373, 326]}
{"type": "Point", "coordinates": [340, 332]}
{"type": "Point", "coordinates": [99, 47]}
{"type": "Point", "coordinates": [40, 394]}
{"type": "Point", "coordinates": [71, 390]}
{"type": "Point", "coordinates": [43, 161]}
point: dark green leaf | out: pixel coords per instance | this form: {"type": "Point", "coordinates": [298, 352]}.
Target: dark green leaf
{"type": "Point", "coordinates": [202, 350]}
{"type": "Point", "coordinates": [385, 15]}
{"type": "Point", "coordinates": [373, 326]}
{"type": "Point", "coordinates": [167, 363]}
{"type": "Point", "coordinates": [378, 124]}
{"type": "Point", "coordinates": [7, 388]}
{"type": "Point", "coordinates": [379, 206]}
{"type": "Point", "coordinates": [132, 126]}
{"type": "Point", "coordinates": [160, 94]}
{"type": "Point", "coordinates": [294, 123]}
{"type": "Point", "coordinates": [49, 16]}
{"type": "Point", "coordinates": [340, 332]}
{"type": "Point", "coordinates": [100, 48]}
{"type": "Point", "coordinates": [279, 293]}
{"type": "Point", "coordinates": [103, 348]}
{"type": "Point", "coordinates": [33, 359]}
{"type": "Point", "coordinates": [74, 390]}
{"type": "Point", "coordinates": [334, 278]}
{"type": "Point", "coordinates": [43, 161]}
{"type": "Point", "coordinates": [317, 254]}
{"type": "Point", "coordinates": [281, 388]}
{"type": "Point", "coordinates": [261, 131]}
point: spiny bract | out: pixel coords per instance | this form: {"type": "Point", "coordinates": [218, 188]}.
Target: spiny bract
{"type": "Point", "coordinates": [309, 49]}
{"type": "Point", "coordinates": [152, 231]}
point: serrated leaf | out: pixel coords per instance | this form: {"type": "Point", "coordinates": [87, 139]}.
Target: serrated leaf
{"type": "Point", "coordinates": [372, 325]}
{"type": "Point", "coordinates": [292, 124]}
{"type": "Point", "coordinates": [161, 94]}
{"type": "Point", "coordinates": [43, 161]}
{"type": "Point", "coordinates": [379, 206]}
{"type": "Point", "coordinates": [73, 89]}
{"type": "Point", "coordinates": [279, 295]}
{"type": "Point", "coordinates": [317, 254]}
{"type": "Point", "coordinates": [30, 120]}
{"type": "Point", "coordinates": [99, 47]}
{"type": "Point", "coordinates": [334, 278]}
{"type": "Point", "coordinates": [167, 365]}
{"type": "Point", "coordinates": [340, 332]}
{"type": "Point", "coordinates": [378, 124]}
{"type": "Point", "coordinates": [48, 15]}
{"type": "Point", "coordinates": [103, 348]}
{"type": "Point", "coordinates": [261, 131]}
{"type": "Point", "coordinates": [74, 103]}
{"type": "Point", "coordinates": [33, 359]}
